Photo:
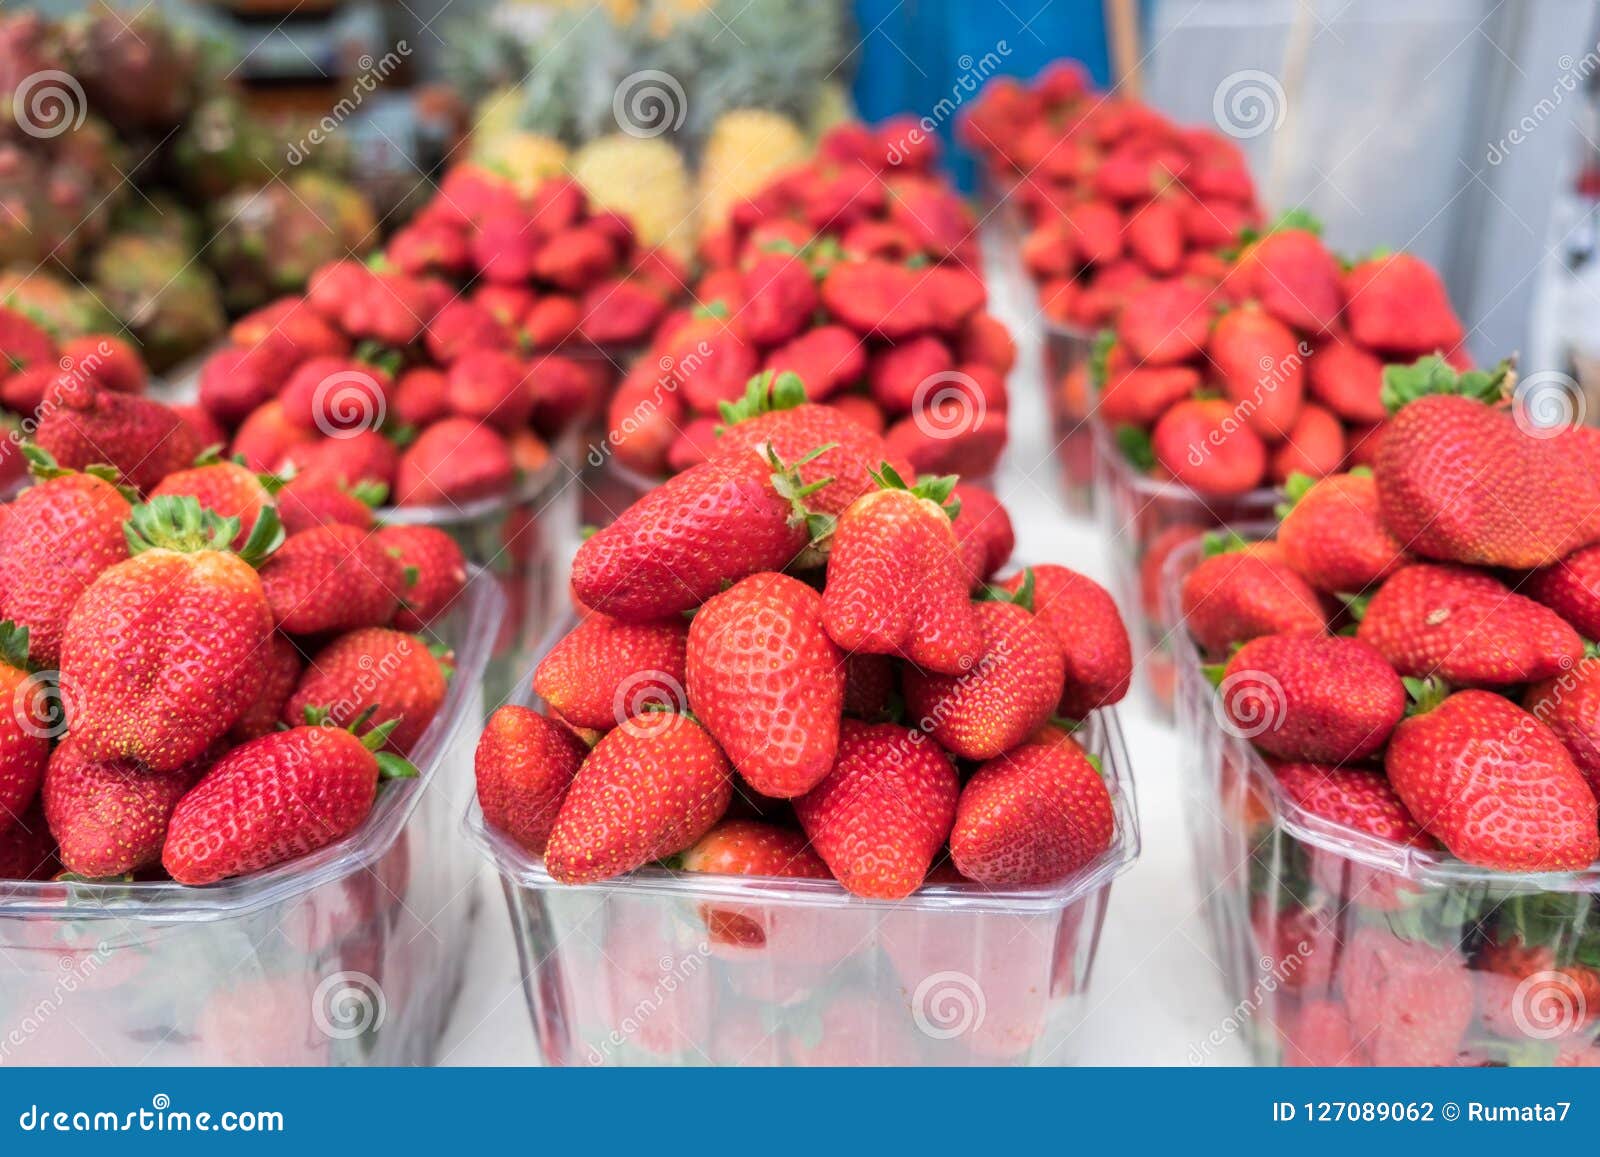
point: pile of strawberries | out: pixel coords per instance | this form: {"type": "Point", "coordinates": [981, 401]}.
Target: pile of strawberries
{"type": "Point", "coordinates": [441, 372]}
{"type": "Point", "coordinates": [1275, 367]}
{"type": "Point", "coordinates": [791, 633]}
{"type": "Point", "coordinates": [1115, 196]}
{"type": "Point", "coordinates": [194, 694]}
{"type": "Point", "coordinates": [1413, 654]}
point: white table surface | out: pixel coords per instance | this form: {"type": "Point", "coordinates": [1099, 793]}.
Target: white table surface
{"type": "Point", "coordinates": [1155, 994]}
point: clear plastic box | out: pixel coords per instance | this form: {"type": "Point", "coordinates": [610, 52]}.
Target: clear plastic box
{"type": "Point", "coordinates": [1143, 520]}
{"type": "Point", "coordinates": [1338, 947]}
{"type": "Point", "coordinates": [352, 955]}
{"type": "Point", "coordinates": [625, 972]}
{"type": "Point", "coordinates": [1065, 349]}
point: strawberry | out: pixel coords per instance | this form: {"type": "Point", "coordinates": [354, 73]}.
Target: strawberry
{"type": "Point", "coordinates": [1569, 705]}
{"type": "Point", "coordinates": [1262, 369]}
{"type": "Point", "coordinates": [1139, 395]}
{"type": "Point", "coordinates": [1204, 445]}
{"type": "Point", "coordinates": [524, 765]}
{"type": "Point", "coordinates": [1318, 1035]}
{"type": "Point", "coordinates": [60, 534]}
{"type": "Point", "coordinates": [25, 730]}
{"type": "Point", "coordinates": [27, 849]}
{"type": "Point", "coordinates": [1467, 628]}
{"type": "Point", "coordinates": [226, 488]}
{"type": "Point", "coordinates": [142, 439]}
{"type": "Point", "coordinates": [877, 297]}
{"type": "Point", "coordinates": [1239, 595]}
{"type": "Point", "coordinates": [421, 397]}
{"type": "Point", "coordinates": [780, 297]}
{"type": "Point", "coordinates": [1409, 1003]}
{"type": "Point", "coordinates": [1396, 304]}
{"type": "Point", "coordinates": [1494, 785]}
{"type": "Point", "coordinates": [264, 439]}
{"type": "Point", "coordinates": [604, 670]}
{"type": "Point", "coordinates": [754, 848]}
{"type": "Point", "coordinates": [308, 501]}
{"type": "Point", "coordinates": [1532, 976]}
{"type": "Point", "coordinates": [1571, 588]}
{"type": "Point", "coordinates": [331, 578]}
{"type": "Point", "coordinates": [896, 581]}
{"type": "Point", "coordinates": [463, 328]}
{"type": "Point", "coordinates": [293, 321]}
{"type": "Point", "coordinates": [711, 360]}
{"type": "Point", "coordinates": [951, 435]}
{"type": "Point", "coordinates": [491, 386]}
{"type": "Point", "coordinates": [901, 376]}
{"type": "Point", "coordinates": [1006, 696]}
{"type": "Point", "coordinates": [1034, 815]}
{"type": "Point", "coordinates": [106, 360]}
{"type": "Point", "coordinates": [362, 458]}
{"type": "Point", "coordinates": [1294, 277]}
{"type": "Point", "coordinates": [551, 321]}
{"type": "Point", "coordinates": [983, 528]}
{"type": "Point", "coordinates": [1348, 380]}
{"type": "Point", "coordinates": [1154, 236]}
{"type": "Point", "coordinates": [619, 312]}
{"type": "Point", "coordinates": [676, 546]}
{"type": "Point", "coordinates": [276, 799]}
{"type": "Point", "coordinates": [1165, 323]}
{"type": "Point", "coordinates": [986, 341]}
{"type": "Point", "coordinates": [1084, 619]}
{"type": "Point", "coordinates": [282, 665]}
{"type": "Point", "coordinates": [433, 572]}
{"type": "Point", "coordinates": [1314, 446]}
{"type": "Point", "coordinates": [336, 395]}
{"type": "Point", "coordinates": [883, 812]}
{"type": "Point", "coordinates": [1461, 482]}
{"type": "Point", "coordinates": [649, 789]}
{"type": "Point", "coordinates": [767, 682]}
{"type": "Point", "coordinates": [110, 816]}
{"type": "Point", "coordinates": [373, 674]}
{"type": "Point", "coordinates": [23, 342]}
{"type": "Point", "coordinates": [453, 462]}
{"type": "Point", "coordinates": [827, 358]}
{"type": "Point", "coordinates": [160, 650]}
{"type": "Point", "coordinates": [1333, 534]}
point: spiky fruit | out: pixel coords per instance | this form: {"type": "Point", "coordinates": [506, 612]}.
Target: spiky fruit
{"type": "Point", "coordinates": [524, 765]}
{"type": "Point", "coordinates": [1334, 536]}
{"type": "Point", "coordinates": [746, 149]}
{"type": "Point", "coordinates": [883, 812]}
{"type": "Point", "coordinates": [604, 670]}
{"type": "Point", "coordinates": [1034, 815]}
{"type": "Point", "coordinates": [389, 673]}
{"type": "Point", "coordinates": [110, 816]}
{"type": "Point", "coordinates": [1095, 648]}
{"type": "Point", "coordinates": [160, 650]}
{"type": "Point", "coordinates": [649, 789]}
{"type": "Point", "coordinates": [1494, 785]}
{"type": "Point", "coordinates": [1467, 628]}
{"type": "Point", "coordinates": [768, 683]}
{"type": "Point", "coordinates": [645, 179]}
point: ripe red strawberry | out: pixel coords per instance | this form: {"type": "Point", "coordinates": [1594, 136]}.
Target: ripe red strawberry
{"type": "Point", "coordinates": [363, 458]}
{"type": "Point", "coordinates": [1165, 323]}
{"type": "Point", "coordinates": [524, 765]}
{"type": "Point", "coordinates": [902, 375]}
{"type": "Point", "coordinates": [1510, 993]}
{"type": "Point", "coordinates": [296, 323]}
{"type": "Point", "coordinates": [308, 501]}
{"type": "Point", "coordinates": [60, 533]}
{"type": "Point", "coordinates": [1139, 395]}
{"type": "Point", "coordinates": [604, 670]}
{"type": "Point", "coordinates": [421, 397]}
{"type": "Point", "coordinates": [25, 729]}
{"type": "Point", "coordinates": [983, 528]}
{"type": "Point", "coordinates": [334, 395]}
{"type": "Point", "coordinates": [276, 799]}
{"type": "Point", "coordinates": [141, 438]}
{"type": "Point", "coordinates": [1240, 595]}
{"type": "Point", "coordinates": [110, 817]}
{"type": "Point", "coordinates": [877, 297]}
{"type": "Point", "coordinates": [1034, 815]}
{"type": "Point", "coordinates": [827, 358]}
{"type": "Point", "coordinates": [711, 360]}
{"type": "Point", "coordinates": [1571, 588]}
{"type": "Point", "coordinates": [161, 650]}
{"type": "Point", "coordinates": [1084, 619]}
{"type": "Point", "coordinates": [1294, 277]}
{"type": "Point", "coordinates": [1398, 305]}
{"type": "Point", "coordinates": [332, 578]}
{"type": "Point", "coordinates": [1460, 481]}
{"type": "Point", "coordinates": [264, 439]}
{"type": "Point", "coordinates": [1569, 705]}
{"type": "Point", "coordinates": [1410, 1003]}
{"type": "Point", "coordinates": [677, 546]}
{"type": "Point", "coordinates": [649, 789]}
{"type": "Point", "coordinates": [27, 849]}
{"type": "Point", "coordinates": [433, 572]}
{"type": "Point", "coordinates": [1204, 445]}
{"type": "Point", "coordinates": [883, 812]}
{"type": "Point", "coordinates": [282, 664]}
{"type": "Point", "coordinates": [1334, 535]}
{"type": "Point", "coordinates": [1318, 1035]}
{"type": "Point", "coordinates": [752, 848]}
{"type": "Point", "coordinates": [1154, 235]}
{"type": "Point", "coordinates": [1348, 380]}
{"type": "Point", "coordinates": [1494, 785]}
{"type": "Point", "coordinates": [1467, 628]}
{"type": "Point", "coordinates": [780, 296]}
{"type": "Point", "coordinates": [491, 386]}
{"type": "Point", "coordinates": [452, 463]}
{"type": "Point", "coordinates": [390, 674]}
{"type": "Point", "coordinates": [23, 342]}
{"type": "Point", "coordinates": [1314, 446]}
{"type": "Point", "coordinates": [1260, 364]}
{"type": "Point", "coordinates": [106, 360]}
{"type": "Point", "coordinates": [896, 581]}
{"type": "Point", "coordinates": [1005, 697]}
{"type": "Point", "coordinates": [767, 682]}
{"type": "Point", "coordinates": [224, 487]}
{"type": "Point", "coordinates": [950, 436]}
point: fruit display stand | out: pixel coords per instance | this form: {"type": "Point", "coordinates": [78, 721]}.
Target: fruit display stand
{"type": "Point", "coordinates": [349, 956]}
{"type": "Point", "coordinates": [666, 968]}
{"type": "Point", "coordinates": [1143, 520]}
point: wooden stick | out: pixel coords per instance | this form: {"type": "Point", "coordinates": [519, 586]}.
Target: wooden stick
{"type": "Point", "coordinates": [1122, 23]}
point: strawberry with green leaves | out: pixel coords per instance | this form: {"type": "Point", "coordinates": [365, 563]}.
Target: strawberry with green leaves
{"type": "Point", "coordinates": [1095, 648]}
{"type": "Point", "coordinates": [377, 675]}
{"type": "Point", "coordinates": [226, 488]}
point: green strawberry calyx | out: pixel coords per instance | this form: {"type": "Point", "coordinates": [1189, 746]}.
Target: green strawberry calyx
{"type": "Point", "coordinates": [1100, 359]}
{"type": "Point", "coordinates": [43, 466]}
{"type": "Point", "coordinates": [390, 765]}
{"type": "Point", "coordinates": [787, 482]}
{"type": "Point", "coordinates": [14, 645]}
{"type": "Point", "coordinates": [765, 393]}
{"type": "Point", "coordinates": [1294, 220]}
{"type": "Point", "coordinates": [181, 524]}
{"type": "Point", "coordinates": [1136, 446]}
{"type": "Point", "coordinates": [1425, 694]}
{"type": "Point", "coordinates": [936, 488]}
{"type": "Point", "coordinates": [1022, 596]}
{"type": "Point", "coordinates": [1296, 488]}
{"type": "Point", "coordinates": [1432, 376]}
{"type": "Point", "coordinates": [1222, 542]}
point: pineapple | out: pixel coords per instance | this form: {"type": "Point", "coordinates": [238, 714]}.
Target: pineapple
{"type": "Point", "coordinates": [527, 160]}
{"type": "Point", "coordinates": [748, 147]}
{"type": "Point", "coordinates": [61, 306]}
{"type": "Point", "coordinates": [646, 181]}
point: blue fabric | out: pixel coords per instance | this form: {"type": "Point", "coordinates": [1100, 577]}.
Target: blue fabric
{"type": "Point", "coordinates": [912, 52]}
